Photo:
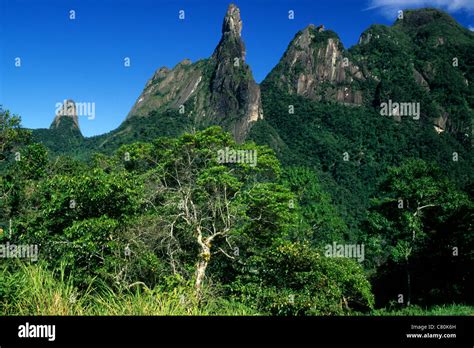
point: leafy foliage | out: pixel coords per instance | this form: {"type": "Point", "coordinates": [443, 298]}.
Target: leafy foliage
{"type": "Point", "coordinates": [148, 214]}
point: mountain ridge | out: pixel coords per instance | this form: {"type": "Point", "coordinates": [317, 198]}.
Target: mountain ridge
{"type": "Point", "coordinates": [315, 65]}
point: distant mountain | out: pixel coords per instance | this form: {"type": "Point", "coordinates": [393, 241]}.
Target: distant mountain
{"type": "Point", "coordinates": [220, 90]}
{"type": "Point", "coordinates": [327, 109]}
{"type": "Point", "coordinates": [425, 58]}
{"type": "Point", "coordinates": [316, 65]}
{"type": "Point", "coordinates": [64, 134]}
{"type": "Point", "coordinates": [66, 117]}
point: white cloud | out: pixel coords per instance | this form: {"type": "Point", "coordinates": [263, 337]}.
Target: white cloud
{"type": "Point", "coordinates": [390, 7]}
{"type": "Point", "coordinates": [471, 28]}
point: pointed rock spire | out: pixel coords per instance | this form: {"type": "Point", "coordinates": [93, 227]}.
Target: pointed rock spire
{"type": "Point", "coordinates": [232, 22]}
{"type": "Point", "coordinates": [216, 91]}
{"type": "Point", "coordinates": [233, 77]}
{"type": "Point", "coordinates": [231, 46]}
{"type": "Point", "coordinates": [66, 115]}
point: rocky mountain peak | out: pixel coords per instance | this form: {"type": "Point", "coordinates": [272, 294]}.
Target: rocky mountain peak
{"type": "Point", "coordinates": [186, 62]}
{"type": "Point", "coordinates": [231, 46]}
{"type": "Point", "coordinates": [66, 116]}
{"type": "Point", "coordinates": [315, 65]}
{"type": "Point", "coordinates": [233, 77]}
{"type": "Point", "coordinates": [232, 21]}
{"type": "Point", "coordinates": [305, 37]}
{"type": "Point", "coordinates": [216, 91]}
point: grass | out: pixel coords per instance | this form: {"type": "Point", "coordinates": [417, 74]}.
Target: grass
{"type": "Point", "coordinates": [34, 290]}
{"type": "Point", "coordinates": [453, 309]}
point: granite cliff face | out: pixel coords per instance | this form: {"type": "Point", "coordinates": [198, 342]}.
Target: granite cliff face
{"type": "Point", "coordinates": [220, 90]}
{"type": "Point", "coordinates": [315, 65]}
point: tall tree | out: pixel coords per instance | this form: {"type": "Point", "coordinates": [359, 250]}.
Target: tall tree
{"type": "Point", "coordinates": [415, 194]}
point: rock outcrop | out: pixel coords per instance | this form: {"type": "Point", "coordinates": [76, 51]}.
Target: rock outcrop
{"type": "Point", "coordinates": [234, 92]}
{"type": "Point", "coordinates": [66, 116]}
{"type": "Point", "coordinates": [216, 91]}
{"type": "Point", "coordinates": [315, 65]}
{"type": "Point", "coordinates": [168, 88]}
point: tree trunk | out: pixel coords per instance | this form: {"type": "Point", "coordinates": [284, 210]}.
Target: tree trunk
{"type": "Point", "coordinates": [201, 267]}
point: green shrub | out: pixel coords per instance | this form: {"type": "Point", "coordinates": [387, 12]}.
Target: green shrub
{"type": "Point", "coordinates": [294, 279]}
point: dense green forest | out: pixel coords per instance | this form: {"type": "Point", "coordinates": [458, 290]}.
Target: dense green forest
{"type": "Point", "coordinates": [327, 208]}
{"type": "Point", "coordinates": [163, 228]}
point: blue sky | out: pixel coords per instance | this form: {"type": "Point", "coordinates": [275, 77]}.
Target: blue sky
{"type": "Point", "coordinates": [83, 59]}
